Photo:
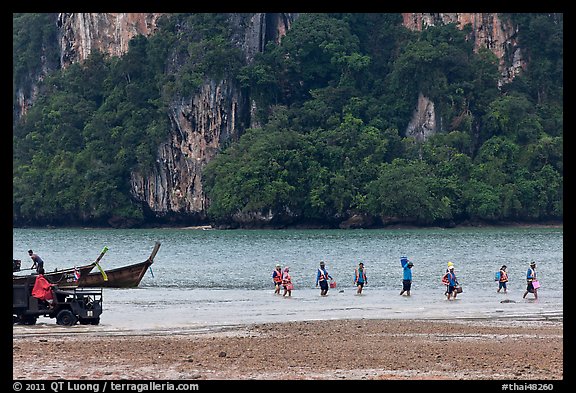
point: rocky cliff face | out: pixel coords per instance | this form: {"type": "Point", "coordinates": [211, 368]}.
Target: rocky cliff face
{"type": "Point", "coordinates": [110, 33]}
{"type": "Point", "coordinates": [490, 31]}
{"type": "Point", "coordinates": [201, 124]}
{"type": "Point", "coordinates": [219, 112]}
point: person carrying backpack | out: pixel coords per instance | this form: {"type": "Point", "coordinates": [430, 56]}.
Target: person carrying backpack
{"type": "Point", "coordinates": [277, 278]}
{"type": "Point", "coordinates": [502, 279]}
{"type": "Point", "coordinates": [452, 282]}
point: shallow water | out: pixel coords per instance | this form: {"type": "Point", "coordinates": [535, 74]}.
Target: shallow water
{"type": "Point", "coordinates": [214, 278]}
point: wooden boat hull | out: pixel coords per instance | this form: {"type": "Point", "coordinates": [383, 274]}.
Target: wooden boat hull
{"type": "Point", "coordinates": [123, 277]}
{"type": "Point", "coordinates": [62, 278]}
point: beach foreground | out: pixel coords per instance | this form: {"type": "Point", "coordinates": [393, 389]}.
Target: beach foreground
{"type": "Point", "coordinates": [312, 350]}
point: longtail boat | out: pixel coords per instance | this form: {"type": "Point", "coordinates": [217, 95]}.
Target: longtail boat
{"type": "Point", "coordinates": [65, 278]}
{"type": "Point", "coordinates": [128, 276]}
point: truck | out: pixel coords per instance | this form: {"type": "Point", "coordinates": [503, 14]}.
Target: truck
{"type": "Point", "coordinates": [69, 306]}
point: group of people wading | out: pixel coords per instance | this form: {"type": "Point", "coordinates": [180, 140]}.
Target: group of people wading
{"type": "Point", "coordinates": [282, 279]}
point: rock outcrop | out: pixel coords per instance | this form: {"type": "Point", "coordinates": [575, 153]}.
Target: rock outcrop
{"type": "Point", "coordinates": [423, 123]}
{"type": "Point", "coordinates": [200, 125]}
{"type": "Point", "coordinates": [490, 31]}
{"type": "Point", "coordinates": [218, 113]}
{"type": "Point", "coordinates": [81, 33]}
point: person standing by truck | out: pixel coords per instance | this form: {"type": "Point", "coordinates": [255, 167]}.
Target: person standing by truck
{"type": "Point", "coordinates": [42, 289]}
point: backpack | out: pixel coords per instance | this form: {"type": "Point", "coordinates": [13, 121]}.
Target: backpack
{"type": "Point", "coordinates": [445, 280]}
{"type": "Point", "coordinates": [497, 276]}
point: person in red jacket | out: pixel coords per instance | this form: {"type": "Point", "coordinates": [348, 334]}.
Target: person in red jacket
{"type": "Point", "coordinates": [42, 289]}
{"type": "Point", "coordinates": [277, 278]}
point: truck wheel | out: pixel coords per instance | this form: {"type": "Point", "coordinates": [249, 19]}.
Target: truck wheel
{"type": "Point", "coordinates": [66, 318]}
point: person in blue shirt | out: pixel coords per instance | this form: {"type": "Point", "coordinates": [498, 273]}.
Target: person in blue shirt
{"type": "Point", "coordinates": [530, 278]}
{"type": "Point", "coordinates": [452, 283]}
{"type": "Point", "coordinates": [407, 277]}
{"type": "Point", "coordinates": [322, 277]}
{"type": "Point", "coordinates": [360, 278]}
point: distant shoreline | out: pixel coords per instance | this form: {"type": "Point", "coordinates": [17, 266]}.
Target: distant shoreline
{"type": "Point", "coordinates": [305, 227]}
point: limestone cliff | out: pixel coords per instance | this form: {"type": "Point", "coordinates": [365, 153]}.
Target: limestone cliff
{"type": "Point", "coordinates": [81, 33]}
{"type": "Point", "coordinates": [490, 31]}
{"type": "Point", "coordinates": [200, 125]}
{"type": "Point", "coordinates": [220, 112]}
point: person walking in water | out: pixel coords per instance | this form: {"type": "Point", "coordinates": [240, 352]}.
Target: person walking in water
{"type": "Point", "coordinates": [503, 279]}
{"type": "Point", "coordinates": [407, 276]}
{"type": "Point", "coordinates": [287, 282]}
{"type": "Point", "coordinates": [360, 278]}
{"type": "Point", "coordinates": [38, 263]}
{"type": "Point", "coordinates": [531, 279]}
{"type": "Point", "coordinates": [277, 278]}
{"type": "Point", "coordinates": [322, 277]}
{"type": "Point", "coordinates": [452, 283]}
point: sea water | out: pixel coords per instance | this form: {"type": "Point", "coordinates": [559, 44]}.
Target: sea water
{"type": "Point", "coordinates": [209, 278]}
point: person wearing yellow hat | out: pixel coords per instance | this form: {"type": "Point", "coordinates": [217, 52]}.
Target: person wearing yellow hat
{"type": "Point", "coordinates": [452, 283]}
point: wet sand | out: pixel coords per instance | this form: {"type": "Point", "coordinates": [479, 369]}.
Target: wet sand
{"type": "Point", "coordinates": [308, 350]}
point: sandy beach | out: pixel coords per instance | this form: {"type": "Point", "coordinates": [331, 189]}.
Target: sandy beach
{"type": "Point", "coordinates": [357, 349]}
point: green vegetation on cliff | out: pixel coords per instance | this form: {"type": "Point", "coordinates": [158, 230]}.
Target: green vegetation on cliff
{"type": "Point", "coordinates": [334, 100]}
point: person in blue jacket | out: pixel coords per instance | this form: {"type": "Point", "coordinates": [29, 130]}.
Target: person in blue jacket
{"type": "Point", "coordinates": [322, 277]}
{"type": "Point", "coordinates": [452, 283]}
{"type": "Point", "coordinates": [407, 277]}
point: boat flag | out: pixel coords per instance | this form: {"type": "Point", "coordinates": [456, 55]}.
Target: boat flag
{"type": "Point", "coordinates": [76, 274]}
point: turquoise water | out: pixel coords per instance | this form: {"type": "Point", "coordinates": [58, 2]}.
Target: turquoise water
{"type": "Point", "coordinates": [211, 277]}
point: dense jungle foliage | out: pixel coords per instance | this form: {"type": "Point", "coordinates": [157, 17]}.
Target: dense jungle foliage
{"type": "Point", "coordinates": [334, 100]}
